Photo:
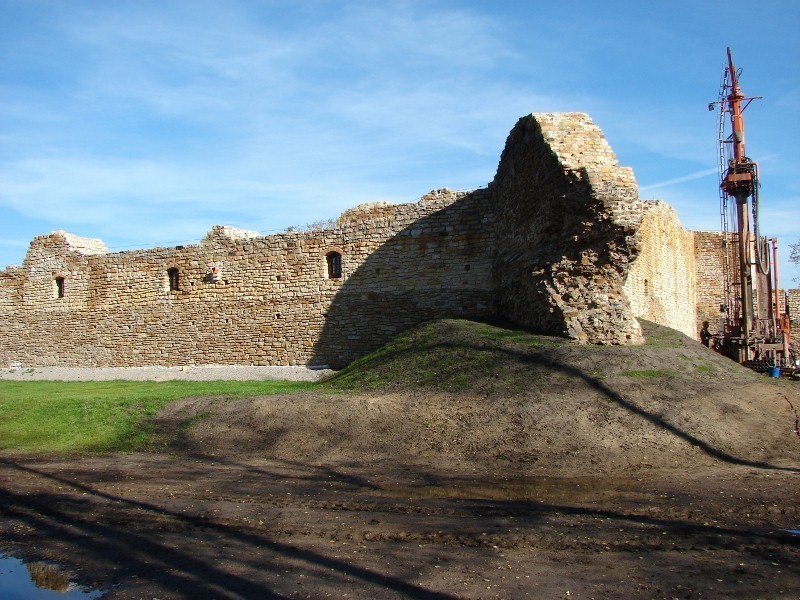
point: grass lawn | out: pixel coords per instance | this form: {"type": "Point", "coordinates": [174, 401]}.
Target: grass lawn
{"type": "Point", "coordinates": [100, 416]}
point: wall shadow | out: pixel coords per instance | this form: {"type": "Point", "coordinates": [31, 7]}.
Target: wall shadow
{"type": "Point", "coordinates": [532, 366]}
{"type": "Point", "coordinates": [438, 266]}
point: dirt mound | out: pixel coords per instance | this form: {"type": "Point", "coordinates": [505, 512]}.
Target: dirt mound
{"type": "Point", "coordinates": [453, 392]}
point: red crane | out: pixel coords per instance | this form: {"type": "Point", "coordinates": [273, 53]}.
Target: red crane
{"type": "Point", "coordinates": [752, 331]}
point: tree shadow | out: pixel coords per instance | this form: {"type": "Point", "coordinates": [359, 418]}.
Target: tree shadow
{"type": "Point", "coordinates": [538, 363]}
{"type": "Point", "coordinates": [116, 544]}
{"type": "Point", "coordinates": [315, 472]}
{"type": "Point", "coordinates": [98, 524]}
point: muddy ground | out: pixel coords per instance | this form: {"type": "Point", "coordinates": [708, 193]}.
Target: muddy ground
{"type": "Point", "coordinates": [556, 472]}
{"type": "Point", "coordinates": [158, 526]}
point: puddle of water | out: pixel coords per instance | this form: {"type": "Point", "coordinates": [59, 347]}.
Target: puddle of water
{"type": "Point", "coordinates": [37, 580]}
{"type": "Point", "coordinates": [793, 531]}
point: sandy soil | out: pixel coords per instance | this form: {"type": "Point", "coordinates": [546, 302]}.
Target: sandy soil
{"type": "Point", "coordinates": [597, 480]}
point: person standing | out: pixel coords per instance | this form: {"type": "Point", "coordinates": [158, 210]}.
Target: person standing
{"type": "Point", "coordinates": [705, 335]}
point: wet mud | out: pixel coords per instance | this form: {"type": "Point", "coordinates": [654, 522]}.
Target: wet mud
{"type": "Point", "coordinates": [149, 525]}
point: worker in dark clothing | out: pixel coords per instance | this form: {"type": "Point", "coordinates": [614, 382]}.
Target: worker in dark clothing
{"type": "Point", "coordinates": [705, 335]}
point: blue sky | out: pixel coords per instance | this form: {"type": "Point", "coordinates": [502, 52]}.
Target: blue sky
{"type": "Point", "coordinates": [144, 122]}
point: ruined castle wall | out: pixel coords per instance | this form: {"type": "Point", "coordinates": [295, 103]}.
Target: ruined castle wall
{"type": "Point", "coordinates": [271, 300]}
{"type": "Point", "coordinates": [549, 245]}
{"type": "Point", "coordinates": [793, 304]}
{"type": "Point", "coordinates": [10, 292]}
{"type": "Point", "coordinates": [567, 215]}
{"type": "Point", "coordinates": [661, 281]}
{"type": "Point", "coordinates": [437, 263]}
{"type": "Point", "coordinates": [709, 284]}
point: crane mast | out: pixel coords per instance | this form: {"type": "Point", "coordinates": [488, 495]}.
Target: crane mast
{"type": "Point", "coordinates": [752, 331]}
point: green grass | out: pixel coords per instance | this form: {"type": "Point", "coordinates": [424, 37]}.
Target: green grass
{"type": "Point", "coordinates": [519, 336]}
{"type": "Point", "coordinates": [648, 373]}
{"type": "Point", "coordinates": [661, 337]}
{"type": "Point", "coordinates": [56, 416]}
{"type": "Point", "coordinates": [453, 356]}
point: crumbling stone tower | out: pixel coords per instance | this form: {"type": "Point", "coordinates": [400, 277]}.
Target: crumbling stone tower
{"type": "Point", "coordinates": [566, 221]}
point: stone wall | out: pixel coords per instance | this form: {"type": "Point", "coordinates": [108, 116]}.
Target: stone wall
{"type": "Point", "coordinates": [270, 300]}
{"type": "Point", "coordinates": [793, 303]}
{"type": "Point", "coordinates": [710, 289]}
{"type": "Point", "coordinates": [567, 216]}
{"type": "Point", "coordinates": [661, 285]}
{"type": "Point", "coordinates": [436, 261]}
{"type": "Point", "coordinates": [548, 245]}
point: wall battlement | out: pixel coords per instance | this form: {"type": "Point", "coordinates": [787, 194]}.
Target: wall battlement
{"type": "Point", "coordinates": [559, 242]}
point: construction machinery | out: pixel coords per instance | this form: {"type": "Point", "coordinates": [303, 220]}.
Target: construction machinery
{"type": "Point", "coordinates": [755, 331]}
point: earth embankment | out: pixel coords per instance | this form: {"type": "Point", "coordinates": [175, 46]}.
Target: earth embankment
{"type": "Point", "coordinates": [454, 392]}
{"type": "Point", "coordinates": [462, 460]}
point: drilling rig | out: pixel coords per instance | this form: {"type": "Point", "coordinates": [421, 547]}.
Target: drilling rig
{"type": "Point", "coordinates": [752, 329]}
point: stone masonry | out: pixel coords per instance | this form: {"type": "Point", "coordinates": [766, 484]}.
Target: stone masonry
{"type": "Point", "coordinates": [567, 217]}
{"type": "Point", "coordinates": [548, 245]}
{"type": "Point", "coordinates": [662, 282]}
{"type": "Point", "coordinates": [709, 288]}
{"type": "Point", "coordinates": [792, 298]}
{"type": "Point", "coordinates": [240, 299]}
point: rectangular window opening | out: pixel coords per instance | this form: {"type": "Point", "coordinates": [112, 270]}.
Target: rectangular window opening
{"type": "Point", "coordinates": [174, 281]}
{"type": "Point", "coordinates": [334, 260]}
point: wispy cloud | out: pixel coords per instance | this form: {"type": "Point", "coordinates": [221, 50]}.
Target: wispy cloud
{"type": "Point", "coordinates": [174, 120]}
{"type": "Point", "coordinates": [152, 121]}
{"type": "Point", "coordinates": [677, 180]}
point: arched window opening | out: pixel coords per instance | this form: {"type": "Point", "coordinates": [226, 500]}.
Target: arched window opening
{"type": "Point", "coordinates": [172, 277]}
{"type": "Point", "coordinates": [334, 265]}
{"type": "Point", "coordinates": [59, 288]}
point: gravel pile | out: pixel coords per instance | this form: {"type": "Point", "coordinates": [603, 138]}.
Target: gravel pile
{"type": "Point", "coordinates": [189, 373]}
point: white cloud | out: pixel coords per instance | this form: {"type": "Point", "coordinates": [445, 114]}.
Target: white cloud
{"type": "Point", "coordinates": [677, 180]}
{"type": "Point", "coordinates": [246, 118]}
{"type": "Point", "coordinates": [153, 120]}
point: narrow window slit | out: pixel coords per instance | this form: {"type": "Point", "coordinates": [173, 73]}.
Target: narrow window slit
{"type": "Point", "coordinates": [334, 260]}
{"type": "Point", "coordinates": [172, 276]}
